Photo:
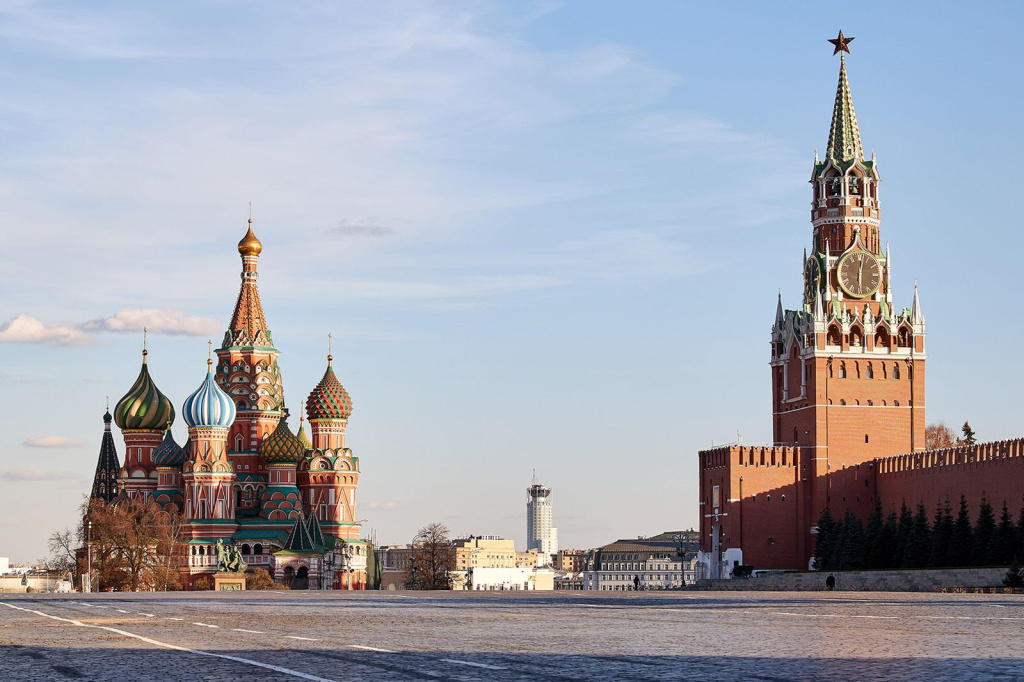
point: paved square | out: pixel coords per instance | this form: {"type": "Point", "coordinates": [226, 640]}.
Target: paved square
{"type": "Point", "coordinates": [512, 636]}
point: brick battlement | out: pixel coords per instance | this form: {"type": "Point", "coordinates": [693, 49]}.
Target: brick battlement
{"type": "Point", "coordinates": [750, 456]}
{"type": "Point", "coordinates": [956, 456]}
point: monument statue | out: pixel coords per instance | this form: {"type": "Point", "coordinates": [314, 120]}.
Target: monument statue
{"type": "Point", "coordinates": [229, 559]}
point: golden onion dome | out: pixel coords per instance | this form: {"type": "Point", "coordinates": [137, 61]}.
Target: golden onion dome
{"type": "Point", "coordinates": [250, 246]}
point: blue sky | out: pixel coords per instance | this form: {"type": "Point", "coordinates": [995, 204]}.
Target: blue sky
{"type": "Point", "coordinates": [544, 235]}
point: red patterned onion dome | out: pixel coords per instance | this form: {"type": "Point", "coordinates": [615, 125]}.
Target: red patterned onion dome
{"type": "Point", "coordinates": [282, 447]}
{"type": "Point", "coordinates": [329, 400]}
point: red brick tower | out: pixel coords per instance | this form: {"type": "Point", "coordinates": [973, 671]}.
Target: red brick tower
{"type": "Point", "coordinates": [847, 368]}
{"type": "Point", "coordinates": [847, 374]}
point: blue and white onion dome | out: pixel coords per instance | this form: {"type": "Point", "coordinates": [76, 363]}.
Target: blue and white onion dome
{"type": "Point", "coordinates": [209, 406]}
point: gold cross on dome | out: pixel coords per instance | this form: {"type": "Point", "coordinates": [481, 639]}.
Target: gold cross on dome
{"type": "Point", "coordinates": [842, 43]}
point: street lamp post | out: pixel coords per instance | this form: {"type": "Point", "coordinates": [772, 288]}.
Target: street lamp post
{"type": "Point", "coordinates": [88, 553]}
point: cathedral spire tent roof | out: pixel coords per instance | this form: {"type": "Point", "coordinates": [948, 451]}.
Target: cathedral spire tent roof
{"type": "Point", "coordinates": [316, 534]}
{"type": "Point", "coordinates": [298, 541]}
{"type": "Point", "coordinates": [844, 145]}
{"type": "Point", "coordinates": [248, 327]}
{"type": "Point", "coordinates": [104, 483]}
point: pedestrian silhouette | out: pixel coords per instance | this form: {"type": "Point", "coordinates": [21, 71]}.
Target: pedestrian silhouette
{"type": "Point", "coordinates": [830, 582]}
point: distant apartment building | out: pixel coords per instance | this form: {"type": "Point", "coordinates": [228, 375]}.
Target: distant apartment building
{"type": "Point", "coordinates": [539, 533]}
{"type": "Point", "coordinates": [662, 562]}
{"type": "Point", "coordinates": [571, 560]}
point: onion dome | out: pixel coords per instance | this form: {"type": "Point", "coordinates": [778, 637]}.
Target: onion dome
{"type": "Point", "coordinates": [209, 405]}
{"type": "Point", "coordinates": [329, 400]}
{"type": "Point", "coordinates": [250, 246]}
{"type": "Point", "coordinates": [168, 453]}
{"type": "Point", "coordinates": [282, 447]}
{"type": "Point", "coordinates": [301, 435]}
{"type": "Point", "coordinates": [144, 407]}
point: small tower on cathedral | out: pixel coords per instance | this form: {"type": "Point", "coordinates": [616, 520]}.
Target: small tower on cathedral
{"type": "Point", "coordinates": [142, 415]}
{"type": "Point", "coordinates": [208, 474]}
{"type": "Point", "coordinates": [330, 475]}
{"type": "Point", "coordinates": [104, 482]}
{"type": "Point", "coordinates": [168, 459]}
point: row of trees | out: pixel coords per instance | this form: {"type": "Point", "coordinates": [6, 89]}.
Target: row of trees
{"type": "Point", "coordinates": [910, 539]}
{"type": "Point", "coordinates": [938, 436]}
{"type": "Point", "coordinates": [129, 545]}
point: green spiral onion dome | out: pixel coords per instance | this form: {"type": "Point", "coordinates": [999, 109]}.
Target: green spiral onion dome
{"type": "Point", "coordinates": [144, 406]}
{"type": "Point", "coordinates": [329, 400]}
{"type": "Point", "coordinates": [282, 447]}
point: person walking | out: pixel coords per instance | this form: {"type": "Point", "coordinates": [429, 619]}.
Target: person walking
{"type": "Point", "coordinates": [830, 582]}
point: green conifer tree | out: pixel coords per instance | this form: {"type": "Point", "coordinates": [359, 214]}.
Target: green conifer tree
{"type": "Point", "coordinates": [984, 530]}
{"type": "Point", "coordinates": [826, 540]}
{"type": "Point", "coordinates": [963, 537]}
{"type": "Point", "coordinates": [873, 537]}
{"type": "Point", "coordinates": [903, 528]}
{"type": "Point", "coordinates": [1004, 541]}
{"type": "Point", "coordinates": [942, 535]}
{"type": "Point", "coordinates": [839, 549]}
{"type": "Point", "coordinates": [969, 437]}
{"type": "Point", "coordinates": [853, 547]}
{"type": "Point", "coordinates": [920, 539]}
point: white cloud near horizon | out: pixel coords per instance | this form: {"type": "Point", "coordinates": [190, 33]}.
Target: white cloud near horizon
{"type": "Point", "coordinates": [34, 475]}
{"type": "Point", "coordinates": [171, 321]}
{"type": "Point", "coordinates": [53, 442]}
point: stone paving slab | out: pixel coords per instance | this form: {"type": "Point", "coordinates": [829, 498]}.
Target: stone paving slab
{"type": "Point", "coordinates": [512, 636]}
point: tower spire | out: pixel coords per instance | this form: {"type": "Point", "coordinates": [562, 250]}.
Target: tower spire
{"type": "Point", "coordinates": [844, 145]}
{"type": "Point", "coordinates": [916, 318]}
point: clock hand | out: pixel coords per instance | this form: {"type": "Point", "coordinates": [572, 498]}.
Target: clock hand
{"type": "Point", "coordinates": [860, 274]}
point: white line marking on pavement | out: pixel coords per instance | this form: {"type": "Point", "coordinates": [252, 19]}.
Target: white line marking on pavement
{"type": "Point", "coordinates": [170, 618]}
{"type": "Point", "coordinates": [147, 640]}
{"type": "Point", "coordinates": [120, 610]}
{"type": "Point", "coordinates": [475, 665]}
{"type": "Point", "coordinates": [254, 632]}
{"type": "Point", "coordinates": [370, 648]}
{"type": "Point", "coordinates": [305, 639]}
{"type": "Point", "coordinates": [206, 625]}
{"type": "Point", "coordinates": [147, 615]}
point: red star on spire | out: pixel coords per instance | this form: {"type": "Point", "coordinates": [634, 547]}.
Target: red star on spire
{"type": "Point", "coordinates": [842, 43]}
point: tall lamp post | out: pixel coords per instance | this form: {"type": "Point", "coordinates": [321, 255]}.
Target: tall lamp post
{"type": "Point", "coordinates": [88, 552]}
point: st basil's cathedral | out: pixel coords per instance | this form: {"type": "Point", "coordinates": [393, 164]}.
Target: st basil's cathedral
{"type": "Point", "coordinates": [286, 500]}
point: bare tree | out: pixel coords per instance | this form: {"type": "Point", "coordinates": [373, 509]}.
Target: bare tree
{"type": "Point", "coordinates": [62, 546]}
{"type": "Point", "coordinates": [433, 559]}
{"type": "Point", "coordinates": [938, 435]}
{"type": "Point", "coordinates": [134, 544]}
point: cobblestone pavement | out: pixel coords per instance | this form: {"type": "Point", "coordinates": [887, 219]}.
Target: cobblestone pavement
{"type": "Point", "coordinates": [512, 636]}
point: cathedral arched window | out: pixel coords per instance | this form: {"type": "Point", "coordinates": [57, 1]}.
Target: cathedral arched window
{"type": "Point", "coordinates": [896, 371]}
{"type": "Point", "coordinates": [834, 336]}
{"type": "Point", "coordinates": [870, 372]}
{"type": "Point", "coordinates": [258, 549]}
{"type": "Point", "coordinates": [246, 549]}
{"type": "Point", "coordinates": [842, 402]}
{"type": "Point", "coordinates": [842, 370]}
{"type": "Point", "coordinates": [895, 403]}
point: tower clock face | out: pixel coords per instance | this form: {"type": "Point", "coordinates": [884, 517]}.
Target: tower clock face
{"type": "Point", "coordinates": [859, 274]}
{"type": "Point", "coordinates": [812, 279]}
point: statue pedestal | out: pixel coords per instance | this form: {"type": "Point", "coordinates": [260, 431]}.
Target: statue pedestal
{"type": "Point", "coordinates": [228, 581]}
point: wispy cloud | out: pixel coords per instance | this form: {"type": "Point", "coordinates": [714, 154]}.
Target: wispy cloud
{"type": "Point", "coordinates": [364, 228]}
{"type": "Point", "coordinates": [52, 442]}
{"type": "Point", "coordinates": [169, 321]}
{"type": "Point", "coordinates": [29, 475]}
{"type": "Point", "coordinates": [27, 329]}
